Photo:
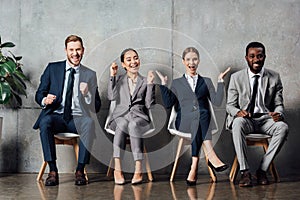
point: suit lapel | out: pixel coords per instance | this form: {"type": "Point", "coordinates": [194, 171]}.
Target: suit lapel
{"type": "Point", "coordinates": [139, 84]}
{"type": "Point", "coordinates": [124, 84]}
{"type": "Point", "coordinates": [61, 77]}
{"type": "Point", "coordinates": [185, 83]}
{"type": "Point", "coordinates": [200, 81]}
{"type": "Point", "coordinates": [246, 81]}
{"type": "Point", "coordinates": [265, 80]}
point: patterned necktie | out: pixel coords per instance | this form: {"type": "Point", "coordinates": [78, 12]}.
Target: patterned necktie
{"type": "Point", "coordinates": [254, 94]}
{"type": "Point", "coordinates": [68, 99]}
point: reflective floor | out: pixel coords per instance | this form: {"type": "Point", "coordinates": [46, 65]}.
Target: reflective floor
{"type": "Point", "coordinates": [24, 186]}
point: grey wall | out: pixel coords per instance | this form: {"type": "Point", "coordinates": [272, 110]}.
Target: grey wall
{"type": "Point", "coordinates": [159, 30]}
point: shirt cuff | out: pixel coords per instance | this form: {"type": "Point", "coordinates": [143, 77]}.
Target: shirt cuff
{"type": "Point", "coordinates": [88, 98]}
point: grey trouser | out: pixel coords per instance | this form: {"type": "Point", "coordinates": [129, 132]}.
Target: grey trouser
{"type": "Point", "coordinates": [265, 124]}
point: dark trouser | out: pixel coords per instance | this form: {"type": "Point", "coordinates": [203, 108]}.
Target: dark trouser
{"type": "Point", "coordinates": [202, 134]}
{"type": "Point", "coordinates": [54, 123]}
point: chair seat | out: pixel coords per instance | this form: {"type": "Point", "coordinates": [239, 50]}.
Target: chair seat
{"type": "Point", "coordinates": [66, 136]}
{"type": "Point", "coordinates": [257, 137]}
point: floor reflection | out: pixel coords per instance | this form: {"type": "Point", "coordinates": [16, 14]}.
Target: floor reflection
{"type": "Point", "coordinates": [16, 187]}
{"type": "Point", "coordinates": [139, 192]}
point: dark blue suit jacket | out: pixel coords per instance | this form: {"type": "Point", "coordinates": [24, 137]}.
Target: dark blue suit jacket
{"type": "Point", "coordinates": [193, 109]}
{"type": "Point", "coordinates": [52, 82]}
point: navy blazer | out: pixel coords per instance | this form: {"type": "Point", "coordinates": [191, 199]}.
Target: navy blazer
{"type": "Point", "coordinates": [52, 82]}
{"type": "Point", "coordinates": [192, 107]}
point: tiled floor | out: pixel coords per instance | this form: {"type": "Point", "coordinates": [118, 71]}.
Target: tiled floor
{"type": "Point", "coordinates": [24, 186]}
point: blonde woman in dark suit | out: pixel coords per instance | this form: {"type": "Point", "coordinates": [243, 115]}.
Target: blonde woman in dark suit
{"type": "Point", "coordinates": [192, 95]}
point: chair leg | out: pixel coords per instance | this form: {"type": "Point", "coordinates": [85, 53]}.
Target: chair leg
{"type": "Point", "coordinates": [234, 169]}
{"type": "Point", "coordinates": [149, 173]}
{"type": "Point", "coordinates": [211, 172]}
{"type": "Point", "coordinates": [42, 171]}
{"type": "Point", "coordinates": [109, 169]}
{"type": "Point", "coordinates": [180, 143]}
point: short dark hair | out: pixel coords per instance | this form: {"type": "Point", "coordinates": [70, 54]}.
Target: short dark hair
{"type": "Point", "coordinates": [125, 51]}
{"type": "Point", "coordinates": [73, 38]}
{"type": "Point", "coordinates": [255, 45]}
{"type": "Point", "coordinates": [188, 50]}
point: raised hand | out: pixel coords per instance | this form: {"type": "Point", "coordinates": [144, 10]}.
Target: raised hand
{"type": "Point", "coordinates": [223, 74]}
{"type": "Point", "coordinates": [113, 69]}
{"type": "Point", "coordinates": [150, 77]}
{"type": "Point", "coordinates": [164, 79]}
{"type": "Point", "coordinates": [83, 87]}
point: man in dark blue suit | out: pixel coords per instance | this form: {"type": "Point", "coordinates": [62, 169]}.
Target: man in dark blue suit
{"type": "Point", "coordinates": [67, 93]}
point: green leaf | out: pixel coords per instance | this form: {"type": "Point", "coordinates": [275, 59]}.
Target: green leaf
{"type": "Point", "coordinates": [7, 67]}
{"type": "Point", "coordinates": [7, 44]}
{"type": "Point", "coordinates": [16, 85]}
{"type": "Point", "coordinates": [5, 93]}
{"type": "Point", "coordinates": [16, 77]}
{"type": "Point", "coordinates": [21, 75]}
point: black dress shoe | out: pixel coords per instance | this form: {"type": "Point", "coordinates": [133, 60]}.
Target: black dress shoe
{"type": "Point", "coordinates": [217, 169]}
{"type": "Point", "coordinates": [262, 177]}
{"type": "Point", "coordinates": [80, 178]}
{"type": "Point", "coordinates": [246, 180]}
{"type": "Point", "coordinates": [52, 179]}
{"type": "Point", "coordinates": [190, 183]}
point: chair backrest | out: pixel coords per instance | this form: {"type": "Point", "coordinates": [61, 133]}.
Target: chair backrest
{"type": "Point", "coordinates": [172, 128]}
{"type": "Point", "coordinates": [150, 132]}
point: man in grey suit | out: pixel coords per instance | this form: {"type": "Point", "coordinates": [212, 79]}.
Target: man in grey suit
{"type": "Point", "coordinates": [255, 104]}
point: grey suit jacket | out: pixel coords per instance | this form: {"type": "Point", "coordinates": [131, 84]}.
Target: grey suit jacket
{"type": "Point", "coordinates": [239, 93]}
{"type": "Point", "coordinates": [138, 104]}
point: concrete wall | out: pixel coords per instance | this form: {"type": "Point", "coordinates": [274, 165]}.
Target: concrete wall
{"type": "Point", "coordinates": [159, 30]}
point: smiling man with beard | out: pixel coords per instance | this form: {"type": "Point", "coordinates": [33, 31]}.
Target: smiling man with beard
{"type": "Point", "coordinates": [67, 93]}
{"type": "Point", "coordinates": [255, 104]}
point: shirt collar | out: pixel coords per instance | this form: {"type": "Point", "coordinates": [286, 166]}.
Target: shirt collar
{"type": "Point", "coordinates": [251, 74]}
{"type": "Point", "coordinates": [68, 66]}
{"type": "Point", "coordinates": [188, 76]}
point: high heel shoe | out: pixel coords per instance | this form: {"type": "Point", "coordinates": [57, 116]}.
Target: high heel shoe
{"type": "Point", "coordinates": [191, 183]}
{"type": "Point", "coordinates": [120, 181]}
{"type": "Point", "coordinates": [136, 181]}
{"type": "Point", "coordinates": [217, 169]}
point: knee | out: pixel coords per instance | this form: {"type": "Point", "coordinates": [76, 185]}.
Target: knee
{"type": "Point", "coordinates": [46, 122]}
{"type": "Point", "coordinates": [239, 125]}
{"type": "Point", "coordinates": [282, 128]}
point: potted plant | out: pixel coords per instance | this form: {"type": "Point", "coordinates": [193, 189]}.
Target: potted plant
{"type": "Point", "coordinates": [12, 78]}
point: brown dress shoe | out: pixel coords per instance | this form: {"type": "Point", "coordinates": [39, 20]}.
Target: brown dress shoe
{"type": "Point", "coordinates": [246, 180]}
{"type": "Point", "coordinates": [262, 177]}
{"type": "Point", "coordinates": [52, 179]}
{"type": "Point", "coordinates": [80, 178]}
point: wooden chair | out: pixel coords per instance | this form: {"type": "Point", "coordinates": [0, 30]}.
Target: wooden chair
{"type": "Point", "coordinates": [62, 139]}
{"type": "Point", "coordinates": [182, 138]}
{"type": "Point", "coordinates": [148, 134]}
{"type": "Point", "coordinates": [255, 139]}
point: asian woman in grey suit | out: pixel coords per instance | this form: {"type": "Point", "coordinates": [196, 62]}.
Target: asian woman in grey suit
{"type": "Point", "coordinates": [134, 94]}
{"type": "Point", "coordinates": [192, 95]}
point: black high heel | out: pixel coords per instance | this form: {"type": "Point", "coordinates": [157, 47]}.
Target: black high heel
{"type": "Point", "coordinates": [217, 169]}
{"type": "Point", "coordinates": [191, 183]}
